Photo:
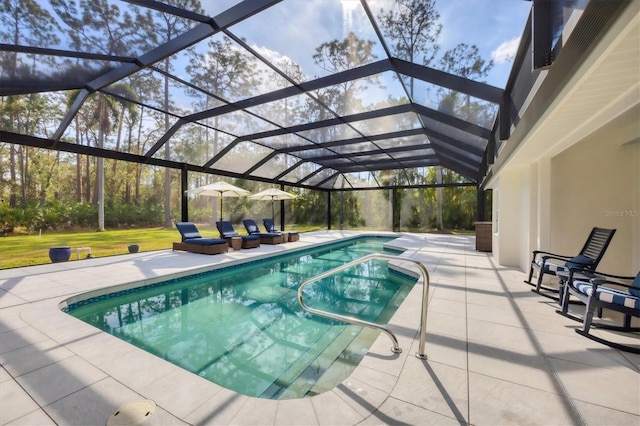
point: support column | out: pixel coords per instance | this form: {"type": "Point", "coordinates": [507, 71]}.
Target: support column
{"type": "Point", "coordinates": [282, 210]}
{"type": "Point", "coordinates": [328, 212]}
{"type": "Point", "coordinates": [480, 205]}
{"type": "Point", "coordinates": [392, 198]}
{"type": "Point", "coordinates": [543, 201]}
{"type": "Point", "coordinates": [184, 186]}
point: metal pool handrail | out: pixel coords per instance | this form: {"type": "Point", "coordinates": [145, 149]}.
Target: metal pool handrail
{"type": "Point", "coordinates": [425, 297]}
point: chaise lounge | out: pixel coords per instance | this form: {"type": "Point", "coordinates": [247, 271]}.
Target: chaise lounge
{"type": "Point", "coordinates": [265, 238]}
{"type": "Point", "coordinates": [225, 228]}
{"type": "Point", "coordinates": [270, 227]}
{"type": "Point", "coordinates": [193, 242]}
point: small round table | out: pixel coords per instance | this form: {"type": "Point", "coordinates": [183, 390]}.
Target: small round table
{"type": "Point", "coordinates": [236, 243]}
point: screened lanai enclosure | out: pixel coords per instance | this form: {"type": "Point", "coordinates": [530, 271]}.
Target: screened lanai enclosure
{"type": "Point", "coordinates": [370, 110]}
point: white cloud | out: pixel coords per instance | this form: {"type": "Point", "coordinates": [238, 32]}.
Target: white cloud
{"type": "Point", "coordinates": [506, 51]}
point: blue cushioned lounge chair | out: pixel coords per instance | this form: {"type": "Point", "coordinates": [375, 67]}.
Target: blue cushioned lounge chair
{"type": "Point", "coordinates": [193, 242]}
{"type": "Point", "coordinates": [227, 232]}
{"type": "Point", "coordinates": [587, 260]}
{"type": "Point", "coordinates": [605, 291]}
{"type": "Point", "coordinates": [270, 227]}
{"type": "Point", "coordinates": [265, 238]}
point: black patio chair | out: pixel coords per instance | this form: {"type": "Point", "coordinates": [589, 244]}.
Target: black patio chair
{"type": "Point", "coordinates": [618, 293]}
{"type": "Point", "coordinates": [587, 260]}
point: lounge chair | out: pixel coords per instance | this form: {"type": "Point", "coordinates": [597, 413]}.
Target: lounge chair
{"type": "Point", "coordinates": [265, 238]}
{"type": "Point", "coordinates": [193, 242]}
{"type": "Point", "coordinates": [587, 260]}
{"type": "Point", "coordinates": [228, 233]}
{"type": "Point", "coordinates": [618, 293]}
{"type": "Point", "coordinates": [270, 227]}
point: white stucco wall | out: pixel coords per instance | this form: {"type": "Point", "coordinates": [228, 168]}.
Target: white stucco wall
{"type": "Point", "coordinates": [511, 201]}
{"type": "Point", "coordinates": [596, 182]}
{"type": "Point", "coordinates": [553, 203]}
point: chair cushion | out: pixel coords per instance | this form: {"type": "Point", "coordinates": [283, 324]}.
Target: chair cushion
{"type": "Point", "coordinates": [635, 286]}
{"type": "Point", "coordinates": [250, 237]}
{"type": "Point", "coordinates": [190, 235]}
{"type": "Point", "coordinates": [269, 225]}
{"type": "Point", "coordinates": [205, 241]}
{"type": "Point", "coordinates": [580, 261]}
{"type": "Point", "coordinates": [550, 267]}
{"type": "Point", "coordinates": [609, 295]}
{"type": "Point", "coordinates": [187, 230]}
{"type": "Point", "coordinates": [270, 234]}
{"type": "Point", "coordinates": [251, 226]}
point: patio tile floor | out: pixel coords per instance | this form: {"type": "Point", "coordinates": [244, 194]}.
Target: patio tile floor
{"type": "Point", "coordinates": [497, 353]}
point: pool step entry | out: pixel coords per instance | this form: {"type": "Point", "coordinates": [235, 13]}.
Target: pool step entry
{"type": "Point", "coordinates": [425, 299]}
{"type": "Point", "coordinates": [310, 372]}
{"type": "Point", "coordinates": [349, 359]}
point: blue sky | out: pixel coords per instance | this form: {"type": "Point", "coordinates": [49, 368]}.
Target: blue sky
{"type": "Point", "coordinates": [293, 28]}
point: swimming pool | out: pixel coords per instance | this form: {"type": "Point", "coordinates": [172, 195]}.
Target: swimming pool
{"type": "Point", "coordinates": [241, 326]}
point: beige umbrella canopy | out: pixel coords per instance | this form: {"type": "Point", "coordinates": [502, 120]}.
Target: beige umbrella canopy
{"type": "Point", "coordinates": [219, 189]}
{"type": "Point", "coordinates": [272, 194]}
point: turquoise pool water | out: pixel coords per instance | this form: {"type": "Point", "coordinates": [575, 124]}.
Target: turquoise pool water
{"type": "Point", "coordinates": [242, 327]}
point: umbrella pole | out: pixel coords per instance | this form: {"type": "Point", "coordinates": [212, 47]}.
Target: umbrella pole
{"type": "Point", "coordinates": [221, 207]}
{"type": "Point", "coordinates": [273, 212]}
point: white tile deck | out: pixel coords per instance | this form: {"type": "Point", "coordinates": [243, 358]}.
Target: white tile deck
{"type": "Point", "coordinates": [497, 353]}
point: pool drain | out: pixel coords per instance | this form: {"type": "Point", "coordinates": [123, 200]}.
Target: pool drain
{"type": "Point", "coordinates": [132, 413]}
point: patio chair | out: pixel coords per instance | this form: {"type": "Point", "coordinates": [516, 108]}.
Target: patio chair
{"type": "Point", "coordinates": [193, 242]}
{"type": "Point", "coordinates": [270, 227]}
{"type": "Point", "coordinates": [587, 260]}
{"type": "Point", "coordinates": [225, 228]}
{"type": "Point", "coordinates": [265, 238]}
{"type": "Point", "coordinates": [618, 293]}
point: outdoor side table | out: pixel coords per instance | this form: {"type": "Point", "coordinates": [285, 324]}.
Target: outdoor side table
{"type": "Point", "coordinates": [236, 243]}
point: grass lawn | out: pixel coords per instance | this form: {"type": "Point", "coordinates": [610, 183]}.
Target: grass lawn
{"type": "Point", "coordinates": [27, 250]}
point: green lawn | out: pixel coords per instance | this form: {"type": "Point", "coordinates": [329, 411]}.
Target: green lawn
{"type": "Point", "coordinates": [26, 250]}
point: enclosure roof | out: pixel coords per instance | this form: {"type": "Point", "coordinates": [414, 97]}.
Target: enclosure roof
{"type": "Point", "coordinates": [314, 93]}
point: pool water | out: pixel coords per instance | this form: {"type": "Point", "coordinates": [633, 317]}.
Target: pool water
{"type": "Point", "coordinates": [242, 327]}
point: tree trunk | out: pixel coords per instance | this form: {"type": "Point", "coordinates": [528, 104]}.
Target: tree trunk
{"type": "Point", "coordinates": [78, 167]}
{"type": "Point", "coordinates": [439, 197]}
{"type": "Point", "coordinates": [13, 178]}
{"type": "Point", "coordinates": [100, 182]}
{"type": "Point", "coordinates": [100, 167]}
{"type": "Point", "coordinates": [138, 167]}
{"type": "Point", "coordinates": [87, 195]}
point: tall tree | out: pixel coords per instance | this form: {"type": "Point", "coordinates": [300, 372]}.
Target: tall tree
{"type": "Point", "coordinates": [341, 55]}
{"type": "Point", "coordinates": [99, 26]}
{"type": "Point", "coordinates": [336, 56]}
{"type": "Point", "coordinates": [228, 73]}
{"type": "Point", "coordinates": [22, 22]}
{"type": "Point", "coordinates": [414, 29]}
{"type": "Point", "coordinates": [465, 61]}
{"type": "Point", "coordinates": [167, 27]}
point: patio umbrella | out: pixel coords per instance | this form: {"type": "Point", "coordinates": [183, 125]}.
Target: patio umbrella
{"type": "Point", "coordinates": [219, 189]}
{"type": "Point", "coordinates": [272, 194]}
